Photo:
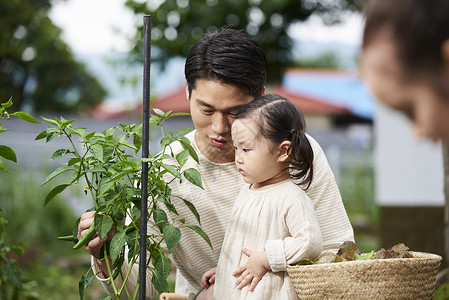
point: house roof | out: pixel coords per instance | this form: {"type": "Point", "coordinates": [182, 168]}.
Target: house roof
{"type": "Point", "coordinates": [177, 102]}
{"type": "Point", "coordinates": [308, 104]}
{"type": "Point", "coordinates": [342, 88]}
{"type": "Point", "coordinates": [320, 91]}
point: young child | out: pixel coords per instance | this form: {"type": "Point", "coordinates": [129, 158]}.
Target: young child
{"type": "Point", "coordinates": [273, 222]}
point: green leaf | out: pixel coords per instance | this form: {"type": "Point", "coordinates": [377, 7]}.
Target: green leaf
{"type": "Point", "coordinates": [41, 135]}
{"type": "Point", "coordinates": [129, 145]}
{"type": "Point", "coordinates": [97, 170]}
{"type": "Point", "coordinates": [117, 244]}
{"type": "Point", "coordinates": [2, 167]}
{"type": "Point", "coordinates": [78, 131]}
{"type": "Point", "coordinates": [24, 116]}
{"type": "Point", "coordinates": [18, 250]}
{"type": "Point", "coordinates": [51, 131]}
{"type": "Point", "coordinates": [170, 206]}
{"type": "Point", "coordinates": [3, 129]}
{"type": "Point", "coordinates": [163, 265]}
{"type": "Point", "coordinates": [172, 235]}
{"type": "Point", "coordinates": [84, 283]}
{"type": "Point", "coordinates": [182, 157]}
{"type": "Point", "coordinates": [8, 153]}
{"type": "Point", "coordinates": [73, 161]}
{"type": "Point", "coordinates": [161, 113]}
{"type": "Point", "coordinates": [97, 151]}
{"type": "Point", "coordinates": [160, 218]}
{"type": "Point", "coordinates": [159, 281]}
{"type": "Point", "coordinates": [165, 141]}
{"type": "Point", "coordinates": [172, 170]}
{"type": "Point", "coordinates": [13, 273]}
{"type": "Point", "coordinates": [192, 209]}
{"type": "Point", "coordinates": [365, 256]}
{"type": "Point", "coordinates": [55, 192]}
{"type": "Point", "coordinates": [184, 131]}
{"type": "Point", "coordinates": [58, 171]}
{"type": "Point", "coordinates": [103, 224]}
{"type": "Point", "coordinates": [194, 177]}
{"type": "Point", "coordinates": [122, 174]}
{"type": "Point", "coordinates": [198, 230]}
{"type": "Point", "coordinates": [185, 143]}
{"type": "Point", "coordinates": [59, 153]}
{"type": "Point", "coordinates": [7, 104]}
{"type": "Point", "coordinates": [105, 185]}
{"type": "Point", "coordinates": [52, 122]}
{"type": "Point", "coordinates": [66, 123]}
{"type": "Point", "coordinates": [179, 114]}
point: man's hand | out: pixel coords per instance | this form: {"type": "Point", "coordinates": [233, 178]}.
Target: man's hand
{"type": "Point", "coordinates": [253, 271]}
{"type": "Point", "coordinates": [95, 244]}
{"type": "Point", "coordinates": [208, 278]}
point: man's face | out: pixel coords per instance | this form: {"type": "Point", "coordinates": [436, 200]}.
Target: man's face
{"type": "Point", "coordinates": [212, 107]}
{"type": "Point", "coordinates": [414, 96]}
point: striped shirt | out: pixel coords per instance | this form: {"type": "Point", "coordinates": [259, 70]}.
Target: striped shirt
{"type": "Point", "coordinates": [222, 183]}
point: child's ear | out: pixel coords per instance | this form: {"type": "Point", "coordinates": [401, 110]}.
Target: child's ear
{"type": "Point", "coordinates": [283, 151]}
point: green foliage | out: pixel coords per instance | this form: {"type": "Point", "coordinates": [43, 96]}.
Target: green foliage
{"type": "Point", "coordinates": [37, 65]}
{"type": "Point", "coordinates": [442, 292]}
{"type": "Point", "coordinates": [105, 166]}
{"type": "Point", "coordinates": [326, 60]}
{"type": "Point", "coordinates": [178, 24]}
{"type": "Point", "coordinates": [5, 151]}
{"type": "Point", "coordinates": [10, 272]}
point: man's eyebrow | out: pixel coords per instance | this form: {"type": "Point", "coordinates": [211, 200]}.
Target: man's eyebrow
{"type": "Point", "coordinates": [233, 108]}
{"type": "Point", "coordinates": [202, 103]}
{"type": "Point", "coordinates": [237, 107]}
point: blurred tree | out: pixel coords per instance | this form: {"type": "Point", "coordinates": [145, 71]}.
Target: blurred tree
{"type": "Point", "coordinates": [37, 68]}
{"type": "Point", "coordinates": [326, 60]}
{"type": "Point", "coordinates": [178, 24]}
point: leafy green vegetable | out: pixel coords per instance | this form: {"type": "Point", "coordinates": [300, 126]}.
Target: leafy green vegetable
{"type": "Point", "coordinates": [349, 251]}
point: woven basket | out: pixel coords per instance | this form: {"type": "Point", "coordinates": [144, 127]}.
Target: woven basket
{"type": "Point", "coordinates": [397, 278]}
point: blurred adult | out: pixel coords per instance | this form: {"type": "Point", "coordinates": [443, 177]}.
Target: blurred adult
{"type": "Point", "coordinates": [224, 71]}
{"type": "Point", "coordinates": [405, 61]}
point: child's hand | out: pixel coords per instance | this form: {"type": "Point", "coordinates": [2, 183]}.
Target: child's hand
{"type": "Point", "coordinates": [253, 271]}
{"type": "Point", "coordinates": [208, 278]}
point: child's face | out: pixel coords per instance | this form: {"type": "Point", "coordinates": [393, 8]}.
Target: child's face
{"type": "Point", "coordinates": [415, 97]}
{"type": "Point", "coordinates": [257, 160]}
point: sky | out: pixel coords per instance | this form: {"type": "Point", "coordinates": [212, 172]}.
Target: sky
{"type": "Point", "coordinates": [99, 26]}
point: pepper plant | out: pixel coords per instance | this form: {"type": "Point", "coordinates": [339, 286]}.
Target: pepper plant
{"type": "Point", "coordinates": [105, 165]}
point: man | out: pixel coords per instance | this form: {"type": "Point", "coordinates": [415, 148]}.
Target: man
{"type": "Point", "coordinates": [224, 71]}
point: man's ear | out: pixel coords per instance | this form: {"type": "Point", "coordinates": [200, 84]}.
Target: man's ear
{"type": "Point", "coordinates": [263, 90]}
{"type": "Point", "coordinates": [283, 151]}
{"type": "Point", "coordinates": [187, 92]}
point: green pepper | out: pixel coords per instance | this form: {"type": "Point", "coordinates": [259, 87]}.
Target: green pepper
{"type": "Point", "coordinates": [86, 237]}
{"type": "Point", "coordinates": [69, 238]}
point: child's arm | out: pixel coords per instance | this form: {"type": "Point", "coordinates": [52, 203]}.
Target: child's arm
{"type": "Point", "coordinates": [253, 271]}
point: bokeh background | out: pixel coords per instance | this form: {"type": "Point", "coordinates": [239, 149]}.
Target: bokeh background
{"type": "Point", "coordinates": [83, 60]}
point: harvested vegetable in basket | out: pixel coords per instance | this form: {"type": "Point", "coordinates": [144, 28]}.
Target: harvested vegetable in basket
{"type": "Point", "coordinates": [349, 251]}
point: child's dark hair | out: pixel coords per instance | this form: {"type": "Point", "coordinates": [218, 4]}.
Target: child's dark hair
{"type": "Point", "coordinates": [280, 120]}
